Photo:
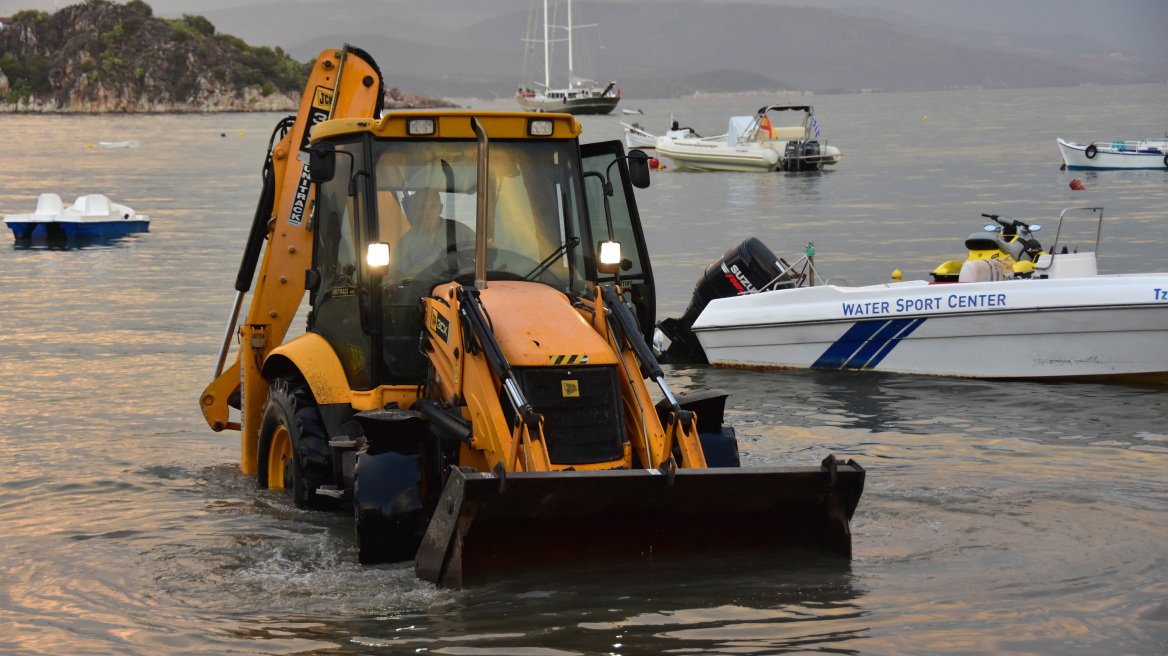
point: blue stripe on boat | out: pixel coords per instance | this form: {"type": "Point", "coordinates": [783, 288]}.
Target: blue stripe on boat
{"type": "Point", "coordinates": [904, 332]}
{"type": "Point", "coordinates": [866, 343]}
{"type": "Point", "coordinates": [841, 351]}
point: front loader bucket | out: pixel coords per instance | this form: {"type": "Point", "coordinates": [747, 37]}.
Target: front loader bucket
{"type": "Point", "coordinates": [487, 524]}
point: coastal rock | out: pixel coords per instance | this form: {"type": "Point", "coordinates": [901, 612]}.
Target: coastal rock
{"type": "Point", "coordinates": [397, 99]}
{"type": "Point", "coordinates": [101, 57]}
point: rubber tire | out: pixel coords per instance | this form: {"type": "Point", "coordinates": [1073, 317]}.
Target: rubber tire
{"type": "Point", "coordinates": [292, 407]}
{"type": "Point", "coordinates": [390, 513]}
{"type": "Point", "coordinates": [1091, 151]}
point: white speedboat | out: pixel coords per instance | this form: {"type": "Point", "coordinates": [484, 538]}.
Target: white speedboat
{"type": "Point", "coordinates": [1064, 321]}
{"type": "Point", "coordinates": [1142, 154]}
{"type": "Point", "coordinates": [637, 137]}
{"type": "Point", "coordinates": [581, 96]}
{"type": "Point", "coordinates": [117, 144]}
{"type": "Point", "coordinates": [89, 216]}
{"type": "Point", "coordinates": [756, 143]}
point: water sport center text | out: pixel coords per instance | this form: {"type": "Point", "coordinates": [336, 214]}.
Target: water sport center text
{"type": "Point", "coordinates": [952, 301]}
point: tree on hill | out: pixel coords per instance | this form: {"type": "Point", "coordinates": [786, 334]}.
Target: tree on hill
{"type": "Point", "coordinates": [101, 56]}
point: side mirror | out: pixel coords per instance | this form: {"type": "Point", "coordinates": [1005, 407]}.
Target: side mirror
{"type": "Point", "coordinates": [322, 162]}
{"type": "Point", "coordinates": [639, 169]}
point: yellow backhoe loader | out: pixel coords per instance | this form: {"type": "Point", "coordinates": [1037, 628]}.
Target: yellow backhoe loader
{"type": "Point", "coordinates": [474, 380]}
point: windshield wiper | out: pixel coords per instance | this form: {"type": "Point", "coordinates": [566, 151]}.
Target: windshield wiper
{"type": "Point", "coordinates": [571, 242]}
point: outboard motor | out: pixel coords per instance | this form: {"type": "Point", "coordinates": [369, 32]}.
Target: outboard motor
{"type": "Point", "coordinates": [810, 153]}
{"type": "Point", "coordinates": [791, 156]}
{"type": "Point", "coordinates": [748, 268]}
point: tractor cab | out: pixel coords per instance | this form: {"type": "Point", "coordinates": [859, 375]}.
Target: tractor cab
{"type": "Point", "coordinates": [404, 205]}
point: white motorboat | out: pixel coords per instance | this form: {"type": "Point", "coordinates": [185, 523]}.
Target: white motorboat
{"type": "Point", "coordinates": [756, 143]}
{"type": "Point", "coordinates": [581, 96]}
{"type": "Point", "coordinates": [637, 137]}
{"type": "Point", "coordinates": [89, 216]}
{"type": "Point", "coordinates": [1064, 321]}
{"type": "Point", "coordinates": [1142, 154]}
{"type": "Point", "coordinates": [117, 144]}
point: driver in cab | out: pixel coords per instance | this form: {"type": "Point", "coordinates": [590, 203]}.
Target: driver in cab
{"type": "Point", "coordinates": [430, 238]}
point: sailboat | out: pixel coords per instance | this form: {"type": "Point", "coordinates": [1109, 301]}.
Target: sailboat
{"type": "Point", "coordinates": [581, 96]}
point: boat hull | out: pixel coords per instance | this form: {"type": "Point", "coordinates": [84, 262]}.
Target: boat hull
{"type": "Point", "coordinates": [1109, 327]}
{"type": "Point", "coordinates": [708, 155]}
{"type": "Point", "coordinates": [696, 155]}
{"type": "Point", "coordinates": [71, 229]}
{"type": "Point", "coordinates": [575, 106]}
{"type": "Point", "coordinates": [1141, 155]}
{"type": "Point", "coordinates": [633, 140]}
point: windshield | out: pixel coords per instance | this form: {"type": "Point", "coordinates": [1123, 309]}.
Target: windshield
{"type": "Point", "coordinates": [427, 193]}
{"type": "Point", "coordinates": [426, 204]}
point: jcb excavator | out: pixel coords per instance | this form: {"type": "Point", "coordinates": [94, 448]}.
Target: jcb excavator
{"type": "Point", "coordinates": [474, 379]}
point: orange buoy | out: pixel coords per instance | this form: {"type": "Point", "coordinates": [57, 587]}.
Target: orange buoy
{"type": "Point", "coordinates": [1077, 185]}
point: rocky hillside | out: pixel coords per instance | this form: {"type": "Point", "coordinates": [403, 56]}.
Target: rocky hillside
{"type": "Point", "coordinates": [105, 57]}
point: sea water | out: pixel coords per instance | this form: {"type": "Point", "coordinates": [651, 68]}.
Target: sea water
{"type": "Point", "coordinates": [999, 517]}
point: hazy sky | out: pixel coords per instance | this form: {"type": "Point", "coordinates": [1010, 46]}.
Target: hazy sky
{"type": "Point", "coordinates": [1139, 24]}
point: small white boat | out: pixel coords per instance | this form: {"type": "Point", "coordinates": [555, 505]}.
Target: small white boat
{"type": "Point", "coordinates": [756, 143]}
{"type": "Point", "coordinates": [89, 216]}
{"type": "Point", "coordinates": [1142, 154]}
{"type": "Point", "coordinates": [637, 137]}
{"type": "Point", "coordinates": [1064, 321]}
{"type": "Point", "coordinates": [117, 144]}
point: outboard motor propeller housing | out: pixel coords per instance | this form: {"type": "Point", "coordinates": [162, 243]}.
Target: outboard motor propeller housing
{"type": "Point", "coordinates": [748, 268]}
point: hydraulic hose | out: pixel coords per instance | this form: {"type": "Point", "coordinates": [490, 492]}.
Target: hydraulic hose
{"type": "Point", "coordinates": [255, 240]}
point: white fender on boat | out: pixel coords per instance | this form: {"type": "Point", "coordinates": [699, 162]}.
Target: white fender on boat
{"type": "Point", "coordinates": [985, 271]}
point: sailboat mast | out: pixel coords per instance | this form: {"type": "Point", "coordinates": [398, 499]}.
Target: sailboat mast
{"type": "Point", "coordinates": [569, 43]}
{"type": "Point", "coordinates": [547, 68]}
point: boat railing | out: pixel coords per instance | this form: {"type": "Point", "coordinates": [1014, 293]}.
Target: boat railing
{"type": "Point", "coordinates": [635, 129]}
{"type": "Point", "coordinates": [803, 155]}
{"type": "Point", "coordinates": [1058, 231]}
{"type": "Point", "coordinates": [1134, 146]}
{"type": "Point", "coordinates": [792, 275]}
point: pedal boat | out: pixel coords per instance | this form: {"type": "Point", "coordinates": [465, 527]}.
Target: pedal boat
{"type": "Point", "coordinates": [91, 215]}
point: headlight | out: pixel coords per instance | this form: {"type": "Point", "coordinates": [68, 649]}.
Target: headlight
{"type": "Point", "coordinates": [377, 259]}
{"type": "Point", "coordinates": [610, 256]}
{"type": "Point", "coordinates": [420, 126]}
{"type": "Point", "coordinates": [540, 127]}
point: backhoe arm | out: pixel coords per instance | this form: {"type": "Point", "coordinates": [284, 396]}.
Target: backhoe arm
{"type": "Point", "coordinates": [343, 84]}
